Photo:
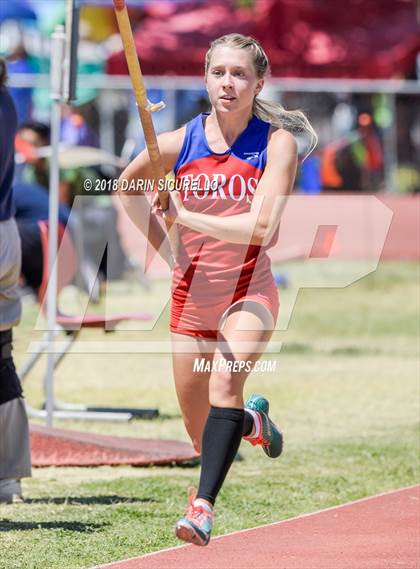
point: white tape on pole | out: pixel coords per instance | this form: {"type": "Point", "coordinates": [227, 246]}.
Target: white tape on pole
{"type": "Point", "coordinates": [70, 56]}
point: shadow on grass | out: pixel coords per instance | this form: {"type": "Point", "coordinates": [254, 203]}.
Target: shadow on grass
{"type": "Point", "coordinates": [6, 525]}
{"type": "Point", "coordinates": [89, 500]}
{"type": "Point", "coordinates": [167, 416]}
{"type": "Point", "coordinates": [194, 462]}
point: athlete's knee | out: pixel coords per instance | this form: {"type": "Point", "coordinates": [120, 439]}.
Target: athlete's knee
{"type": "Point", "coordinates": [10, 387]}
{"type": "Point", "coordinates": [195, 435]}
{"type": "Point", "coordinates": [197, 445]}
{"type": "Point", "coordinates": [195, 439]}
{"type": "Point", "coordinates": [225, 389]}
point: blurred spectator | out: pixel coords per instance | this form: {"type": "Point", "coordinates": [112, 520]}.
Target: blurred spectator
{"type": "Point", "coordinates": [369, 154]}
{"type": "Point", "coordinates": [31, 136]}
{"type": "Point", "coordinates": [348, 164]}
{"type": "Point", "coordinates": [75, 130]}
{"type": "Point", "coordinates": [310, 175]}
{"type": "Point", "coordinates": [31, 202]}
{"type": "Point", "coordinates": [354, 162]}
{"type": "Point", "coordinates": [19, 62]}
{"type": "Point", "coordinates": [96, 217]}
{"type": "Point", "coordinates": [343, 118]}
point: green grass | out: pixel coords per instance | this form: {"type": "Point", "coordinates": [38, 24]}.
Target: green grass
{"type": "Point", "coordinates": [346, 393]}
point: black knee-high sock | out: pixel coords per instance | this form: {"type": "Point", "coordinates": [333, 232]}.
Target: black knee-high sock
{"type": "Point", "coordinates": [248, 424]}
{"type": "Point", "coordinates": [221, 439]}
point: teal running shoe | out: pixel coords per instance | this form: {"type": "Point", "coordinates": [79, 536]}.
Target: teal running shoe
{"type": "Point", "coordinates": [270, 438]}
{"type": "Point", "coordinates": [195, 527]}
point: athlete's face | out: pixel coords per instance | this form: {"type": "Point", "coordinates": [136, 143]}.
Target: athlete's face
{"type": "Point", "coordinates": [231, 80]}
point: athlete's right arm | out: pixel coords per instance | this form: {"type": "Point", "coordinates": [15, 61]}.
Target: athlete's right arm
{"type": "Point", "coordinates": [134, 198]}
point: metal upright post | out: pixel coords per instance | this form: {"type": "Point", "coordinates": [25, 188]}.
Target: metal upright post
{"type": "Point", "coordinates": [390, 144]}
{"type": "Point", "coordinates": [57, 57]}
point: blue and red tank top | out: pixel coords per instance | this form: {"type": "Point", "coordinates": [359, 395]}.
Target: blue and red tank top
{"type": "Point", "coordinates": [221, 184]}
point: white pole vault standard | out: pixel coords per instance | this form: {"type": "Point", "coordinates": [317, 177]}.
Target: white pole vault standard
{"type": "Point", "coordinates": [57, 56]}
{"type": "Point", "coordinates": [145, 108]}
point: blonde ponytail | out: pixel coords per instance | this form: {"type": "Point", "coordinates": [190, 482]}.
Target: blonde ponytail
{"type": "Point", "coordinates": [293, 121]}
{"type": "Point", "coordinates": [274, 113]}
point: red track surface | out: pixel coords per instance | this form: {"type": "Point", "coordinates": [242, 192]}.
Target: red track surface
{"type": "Point", "coordinates": [381, 532]}
{"type": "Point", "coordinates": [64, 447]}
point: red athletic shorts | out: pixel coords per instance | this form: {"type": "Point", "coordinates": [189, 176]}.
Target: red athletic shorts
{"type": "Point", "coordinates": [196, 317]}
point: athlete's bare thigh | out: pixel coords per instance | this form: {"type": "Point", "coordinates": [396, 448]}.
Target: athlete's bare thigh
{"type": "Point", "coordinates": [245, 331]}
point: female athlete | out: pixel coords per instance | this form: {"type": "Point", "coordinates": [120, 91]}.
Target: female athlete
{"type": "Point", "coordinates": [234, 168]}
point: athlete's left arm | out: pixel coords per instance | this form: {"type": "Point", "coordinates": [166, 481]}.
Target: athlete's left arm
{"type": "Point", "coordinates": [257, 226]}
